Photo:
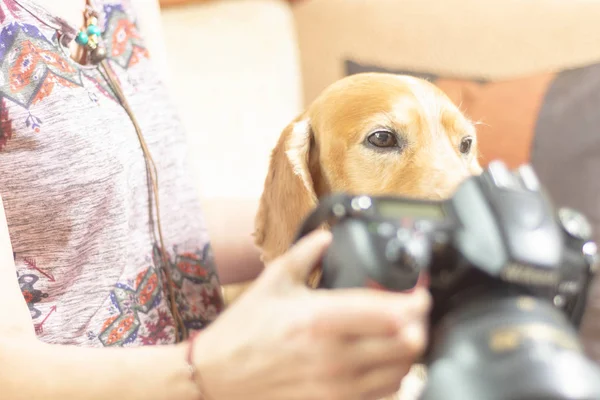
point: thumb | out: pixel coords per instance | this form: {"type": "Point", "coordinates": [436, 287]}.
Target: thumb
{"type": "Point", "coordinates": [297, 263]}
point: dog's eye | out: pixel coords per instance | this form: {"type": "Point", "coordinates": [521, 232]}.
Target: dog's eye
{"type": "Point", "coordinates": [382, 139]}
{"type": "Point", "coordinates": [465, 145]}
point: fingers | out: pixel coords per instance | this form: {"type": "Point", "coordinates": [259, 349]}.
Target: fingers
{"type": "Point", "coordinates": [401, 349]}
{"type": "Point", "coordinates": [357, 312]}
{"type": "Point", "coordinates": [382, 363]}
{"type": "Point", "coordinates": [296, 264]}
{"type": "Point", "coordinates": [363, 369]}
{"type": "Point", "coordinates": [382, 382]}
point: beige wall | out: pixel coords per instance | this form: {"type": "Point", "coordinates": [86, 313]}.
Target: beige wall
{"type": "Point", "coordinates": [234, 74]}
{"type": "Point", "coordinates": [490, 39]}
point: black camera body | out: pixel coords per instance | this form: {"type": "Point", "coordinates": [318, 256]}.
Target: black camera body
{"type": "Point", "coordinates": [508, 274]}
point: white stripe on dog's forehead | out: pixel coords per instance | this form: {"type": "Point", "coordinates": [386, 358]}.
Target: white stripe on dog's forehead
{"type": "Point", "coordinates": [430, 106]}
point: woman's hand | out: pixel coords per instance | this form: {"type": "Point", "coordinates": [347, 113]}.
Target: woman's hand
{"type": "Point", "coordinates": [284, 341]}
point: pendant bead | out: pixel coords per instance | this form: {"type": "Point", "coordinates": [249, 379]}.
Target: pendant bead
{"type": "Point", "coordinates": [90, 37]}
{"type": "Point", "coordinates": [93, 30]}
{"type": "Point", "coordinates": [82, 38]}
{"type": "Point", "coordinates": [98, 54]}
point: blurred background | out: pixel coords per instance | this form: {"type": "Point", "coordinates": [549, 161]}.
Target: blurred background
{"type": "Point", "coordinates": [234, 70]}
{"type": "Point", "coordinates": [528, 71]}
{"type": "Point", "coordinates": [240, 70]}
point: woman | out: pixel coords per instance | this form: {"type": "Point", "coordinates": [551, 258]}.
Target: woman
{"type": "Point", "coordinates": [114, 272]}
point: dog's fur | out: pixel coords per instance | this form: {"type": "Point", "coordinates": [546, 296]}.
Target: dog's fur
{"type": "Point", "coordinates": [325, 150]}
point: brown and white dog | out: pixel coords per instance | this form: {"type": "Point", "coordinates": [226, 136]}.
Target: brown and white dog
{"type": "Point", "coordinates": [369, 133]}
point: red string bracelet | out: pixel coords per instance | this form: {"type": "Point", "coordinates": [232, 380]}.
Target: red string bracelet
{"type": "Point", "coordinates": [194, 375]}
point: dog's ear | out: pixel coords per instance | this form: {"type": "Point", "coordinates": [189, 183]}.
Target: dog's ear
{"type": "Point", "coordinates": [289, 190]}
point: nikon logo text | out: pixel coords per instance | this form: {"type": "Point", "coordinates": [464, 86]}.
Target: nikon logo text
{"type": "Point", "coordinates": [520, 273]}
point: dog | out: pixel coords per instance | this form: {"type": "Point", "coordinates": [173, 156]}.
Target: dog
{"type": "Point", "coordinates": [369, 133]}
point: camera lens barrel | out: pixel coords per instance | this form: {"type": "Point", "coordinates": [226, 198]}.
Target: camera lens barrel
{"type": "Point", "coordinates": [509, 347]}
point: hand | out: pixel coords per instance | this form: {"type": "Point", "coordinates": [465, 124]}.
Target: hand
{"type": "Point", "coordinates": [284, 341]}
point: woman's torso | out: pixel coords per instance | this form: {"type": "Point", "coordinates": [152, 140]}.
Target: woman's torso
{"type": "Point", "coordinates": [73, 182]}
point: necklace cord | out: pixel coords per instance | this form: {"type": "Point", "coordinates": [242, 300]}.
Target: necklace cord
{"type": "Point", "coordinates": [180, 329]}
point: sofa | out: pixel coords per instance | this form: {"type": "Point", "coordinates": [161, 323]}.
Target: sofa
{"type": "Point", "coordinates": [529, 72]}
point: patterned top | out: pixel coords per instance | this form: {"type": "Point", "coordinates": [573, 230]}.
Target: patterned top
{"type": "Point", "coordinates": [73, 182]}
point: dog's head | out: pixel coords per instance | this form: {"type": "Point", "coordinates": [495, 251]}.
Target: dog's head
{"type": "Point", "coordinates": [369, 133]}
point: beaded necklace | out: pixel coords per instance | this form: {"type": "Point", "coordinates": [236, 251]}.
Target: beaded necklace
{"type": "Point", "coordinates": [91, 37]}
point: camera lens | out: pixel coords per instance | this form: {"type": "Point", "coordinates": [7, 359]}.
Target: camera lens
{"type": "Point", "coordinates": [502, 336]}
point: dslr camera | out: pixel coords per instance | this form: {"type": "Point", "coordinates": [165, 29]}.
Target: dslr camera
{"type": "Point", "coordinates": [507, 271]}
